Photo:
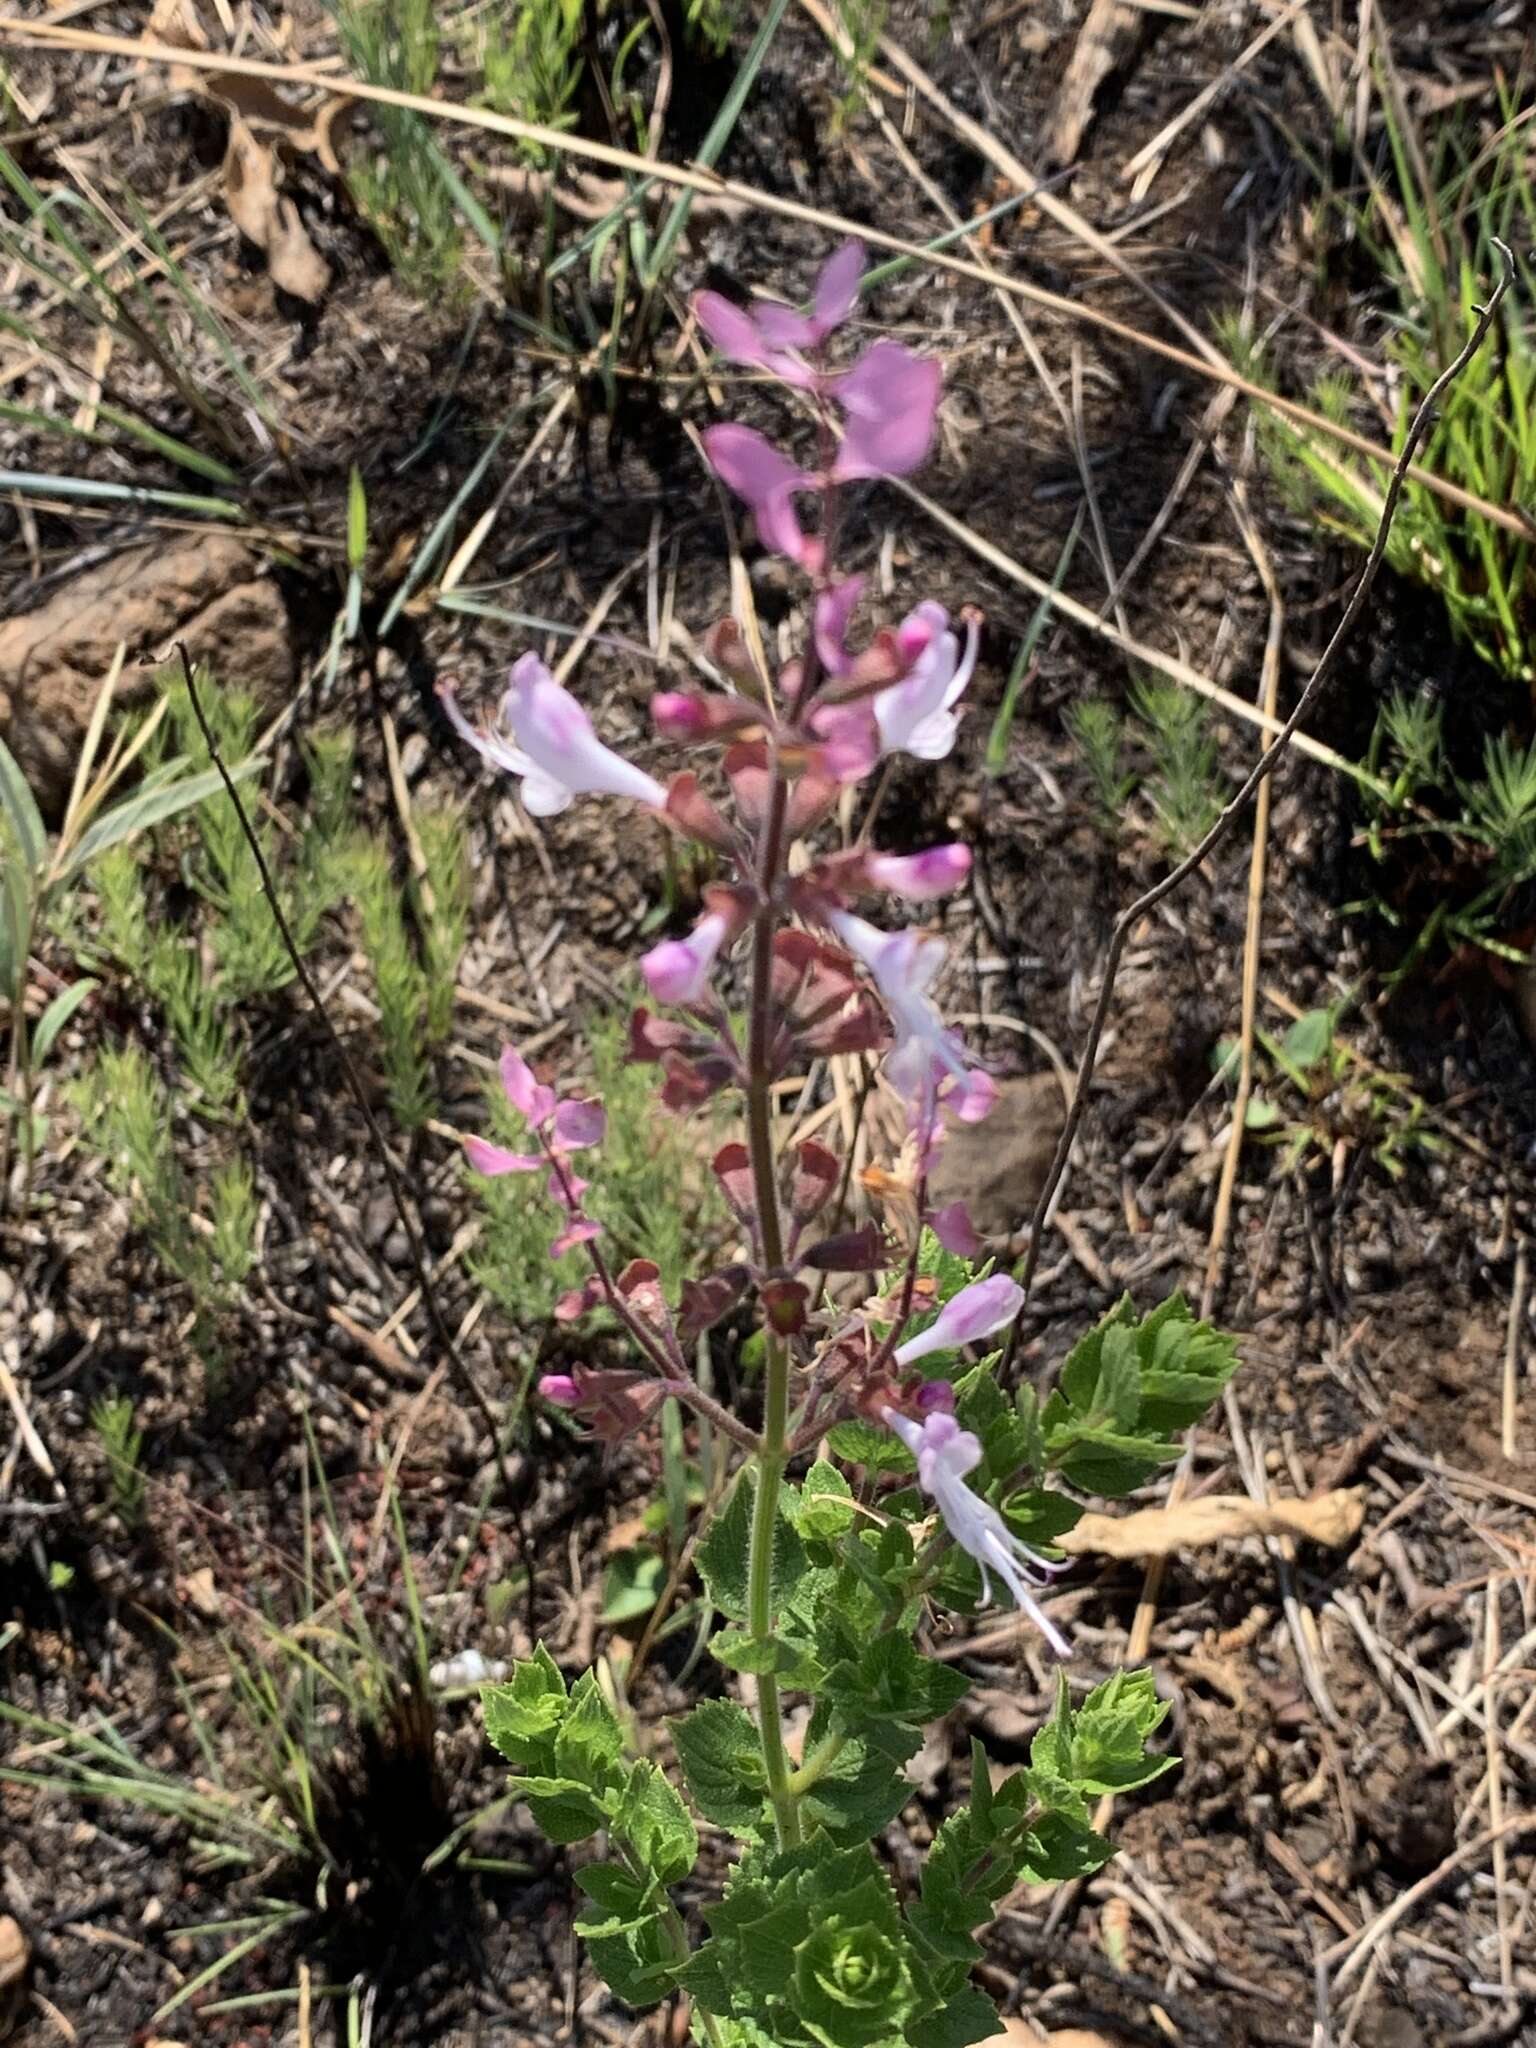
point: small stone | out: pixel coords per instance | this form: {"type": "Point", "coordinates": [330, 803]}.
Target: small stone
{"type": "Point", "coordinates": [199, 1593]}
{"type": "Point", "coordinates": [998, 1167]}
{"type": "Point", "coordinates": [15, 1970]}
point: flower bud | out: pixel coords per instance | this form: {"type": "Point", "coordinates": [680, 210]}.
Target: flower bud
{"type": "Point", "coordinates": [560, 1390]}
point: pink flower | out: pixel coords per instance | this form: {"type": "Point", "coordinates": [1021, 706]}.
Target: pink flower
{"type": "Point", "coordinates": [976, 1311]}
{"type": "Point", "coordinates": [945, 1453]}
{"type": "Point", "coordinates": [543, 735]}
{"type": "Point", "coordinates": [678, 970]}
{"type": "Point", "coordinates": [560, 1390]}
{"type": "Point", "coordinates": [926, 1054]}
{"type": "Point", "coordinates": [914, 716]}
{"type": "Point", "coordinates": [920, 876]}
{"type": "Point", "coordinates": [934, 1397]}
{"type": "Point", "coordinates": [891, 398]}
{"type": "Point", "coordinates": [773, 337]}
{"type": "Point", "coordinates": [849, 740]}
{"type": "Point", "coordinates": [766, 481]}
{"type": "Point", "coordinates": [953, 1227]}
{"type": "Point", "coordinates": [563, 1127]}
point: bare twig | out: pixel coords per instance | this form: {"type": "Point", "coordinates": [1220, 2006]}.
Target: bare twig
{"type": "Point", "coordinates": [440, 1329]}
{"type": "Point", "coordinates": [1262, 769]}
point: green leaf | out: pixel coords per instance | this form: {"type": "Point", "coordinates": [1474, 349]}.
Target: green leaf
{"type": "Point", "coordinates": [621, 1902]}
{"type": "Point", "coordinates": [738, 1651]}
{"type": "Point", "coordinates": [1038, 1515]}
{"type": "Point", "coordinates": [521, 1716]}
{"type": "Point", "coordinates": [652, 1818]}
{"type": "Point", "coordinates": [137, 813]}
{"type": "Point", "coordinates": [1260, 1115]}
{"type": "Point", "coordinates": [723, 1556]}
{"type": "Point", "coordinates": [808, 1950]}
{"type": "Point", "coordinates": [968, 2017]}
{"type": "Point", "coordinates": [20, 806]}
{"type": "Point", "coordinates": [58, 1014]}
{"type": "Point", "coordinates": [866, 1443]}
{"type": "Point", "coordinates": [638, 1966]}
{"type": "Point", "coordinates": [1309, 1039]}
{"type": "Point", "coordinates": [722, 1765]}
{"type": "Point", "coordinates": [889, 1681]}
{"type": "Point", "coordinates": [589, 1743]}
{"type": "Point", "coordinates": [562, 1810]}
{"type": "Point", "coordinates": [632, 1585]}
{"type": "Point", "coordinates": [863, 1790]}
{"type": "Point", "coordinates": [1110, 1731]}
{"type": "Point", "coordinates": [852, 1983]}
{"type": "Point", "coordinates": [824, 1494]}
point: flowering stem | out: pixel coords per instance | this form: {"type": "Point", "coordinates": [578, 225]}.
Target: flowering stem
{"type": "Point", "coordinates": [771, 1454]}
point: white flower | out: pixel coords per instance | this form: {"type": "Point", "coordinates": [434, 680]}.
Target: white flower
{"type": "Point", "coordinates": [915, 716]}
{"type": "Point", "coordinates": [945, 1453]}
{"type": "Point", "coordinates": [544, 736]}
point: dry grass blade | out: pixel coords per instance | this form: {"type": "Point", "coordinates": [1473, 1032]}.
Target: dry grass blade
{"type": "Point", "coordinates": [1201, 359]}
{"type": "Point", "coordinates": [1262, 769]}
{"type": "Point", "coordinates": [1269, 689]}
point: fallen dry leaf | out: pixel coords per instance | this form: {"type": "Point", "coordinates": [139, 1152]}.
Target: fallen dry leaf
{"type": "Point", "coordinates": [264, 217]}
{"type": "Point", "coordinates": [1020, 2034]}
{"type": "Point", "coordinates": [1331, 1518]}
{"type": "Point", "coordinates": [259, 120]}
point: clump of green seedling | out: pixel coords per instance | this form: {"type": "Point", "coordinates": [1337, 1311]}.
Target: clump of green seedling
{"type": "Point", "coordinates": [112, 1418]}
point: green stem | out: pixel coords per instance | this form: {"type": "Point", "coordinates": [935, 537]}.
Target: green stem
{"type": "Point", "coordinates": [765, 1515]}
{"type": "Point", "coordinates": [773, 1449]}
{"type": "Point", "coordinates": [818, 1763]}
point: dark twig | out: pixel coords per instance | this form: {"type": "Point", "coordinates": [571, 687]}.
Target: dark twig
{"type": "Point", "coordinates": [440, 1330]}
{"type": "Point", "coordinates": [1262, 768]}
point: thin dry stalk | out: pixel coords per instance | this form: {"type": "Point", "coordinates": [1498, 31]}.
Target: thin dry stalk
{"type": "Point", "coordinates": [1511, 1387]}
{"type": "Point", "coordinates": [1269, 690]}
{"type": "Point", "coordinates": [1494, 1754]}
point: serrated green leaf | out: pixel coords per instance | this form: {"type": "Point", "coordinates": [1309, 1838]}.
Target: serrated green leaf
{"type": "Point", "coordinates": [1110, 1731]}
{"type": "Point", "coordinates": [638, 1966]}
{"type": "Point", "coordinates": [862, 1792]}
{"type": "Point", "coordinates": [969, 2016]}
{"type": "Point", "coordinates": [853, 1982]}
{"type": "Point", "coordinates": [561, 1809]}
{"type": "Point", "coordinates": [589, 1743]}
{"type": "Point", "coordinates": [722, 1765]}
{"type": "Point", "coordinates": [866, 1443]}
{"type": "Point", "coordinates": [738, 1651]}
{"type": "Point", "coordinates": [652, 1818]}
{"type": "Point", "coordinates": [825, 1497]}
{"type": "Point", "coordinates": [1119, 1390]}
{"type": "Point", "coordinates": [521, 1717]}
{"type": "Point", "coordinates": [723, 1556]}
{"type": "Point", "coordinates": [621, 1902]}
{"type": "Point", "coordinates": [890, 1681]}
